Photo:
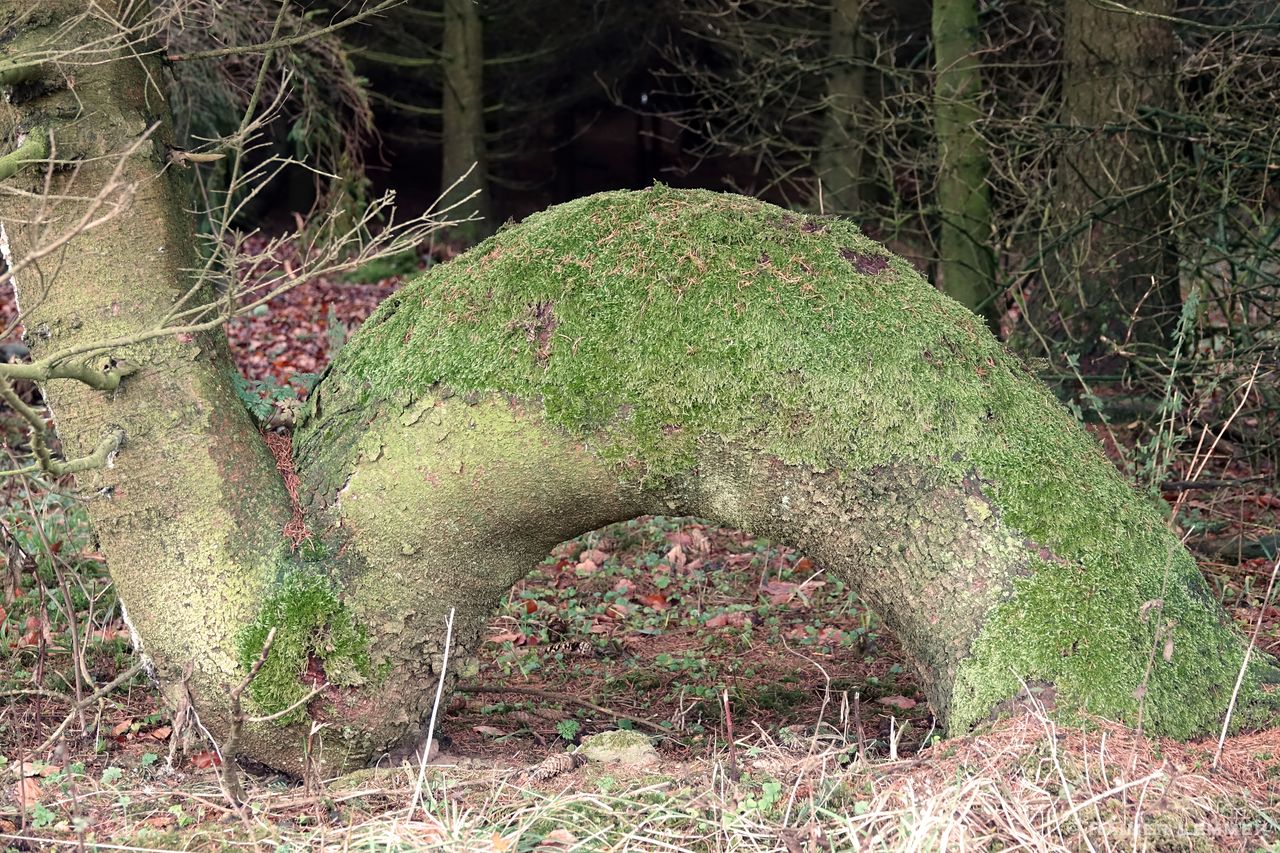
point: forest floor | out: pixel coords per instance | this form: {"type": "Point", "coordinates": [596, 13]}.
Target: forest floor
{"type": "Point", "coordinates": [783, 713]}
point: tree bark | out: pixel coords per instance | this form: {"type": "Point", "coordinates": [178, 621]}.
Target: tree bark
{"type": "Point", "coordinates": [190, 512]}
{"type": "Point", "coordinates": [1110, 267]}
{"type": "Point", "coordinates": [464, 145]}
{"type": "Point", "coordinates": [966, 262]}
{"type": "Point", "coordinates": [844, 169]}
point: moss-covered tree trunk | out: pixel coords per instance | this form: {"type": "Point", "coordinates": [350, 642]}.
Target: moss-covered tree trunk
{"type": "Point", "coordinates": [463, 144]}
{"type": "Point", "coordinates": [966, 262]}
{"type": "Point", "coordinates": [658, 351]}
{"type": "Point", "coordinates": [1110, 268]}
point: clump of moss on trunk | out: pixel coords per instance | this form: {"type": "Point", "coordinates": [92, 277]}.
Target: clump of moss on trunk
{"type": "Point", "coordinates": [316, 641]}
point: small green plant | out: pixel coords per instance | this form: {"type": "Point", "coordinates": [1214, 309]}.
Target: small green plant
{"type": "Point", "coordinates": [148, 759]}
{"type": "Point", "coordinates": [390, 266]}
{"type": "Point", "coordinates": [41, 817]}
{"type": "Point", "coordinates": [261, 396]}
{"type": "Point", "coordinates": [111, 775]}
{"type": "Point", "coordinates": [568, 729]}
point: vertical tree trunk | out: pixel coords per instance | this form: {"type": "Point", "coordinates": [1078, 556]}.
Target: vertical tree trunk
{"type": "Point", "coordinates": [190, 513]}
{"type": "Point", "coordinates": [464, 145]}
{"type": "Point", "coordinates": [1109, 270]}
{"type": "Point", "coordinates": [967, 265]}
{"type": "Point", "coordinates": [844, 168]}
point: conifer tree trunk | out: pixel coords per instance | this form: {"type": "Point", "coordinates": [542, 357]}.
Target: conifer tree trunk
{"type": "Point", "coordinates": [1109, 268]}
{"type": "Point", "coordinates": [464, 144]}
{"type": "Point", "coordinates": [844, 167]}
{"type": "Point", "coordinates": [967, 264]}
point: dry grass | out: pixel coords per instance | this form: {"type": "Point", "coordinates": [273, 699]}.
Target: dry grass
{"type": "Point", "coordinates": [1025, 783]}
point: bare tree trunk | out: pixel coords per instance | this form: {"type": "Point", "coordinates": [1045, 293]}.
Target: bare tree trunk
{"type": "Point", "coordinates": [966, 262]}
{"type": "Point", "coordinates": [464, 145]}
{"type": "Point", "coordinates": [1110, 268]}
{"type": "Point", "coordinates": [844, 168]}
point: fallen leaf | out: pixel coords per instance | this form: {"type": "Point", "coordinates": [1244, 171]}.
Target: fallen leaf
{"type": "Point", "coordinates": [656, 600]}
{"type": "Point", "coordinates": [160, 733]}
{"type": "Point", "coordinates": [724, 620]}
{"type": "Point", "coordinates": [27, 791]}
{"type": "Point", "coordinates": [205, 759]}
{"type": "Point", "coordinates": [489, 730]}
{"type": "Point", "coordinates": [37, 768]}
{"type": "Point", "coordinates": [902, 703]}
{"type": "Point", "coordinates": [676, 558]}
{"type": "Point", "coordinates": [555, 840]}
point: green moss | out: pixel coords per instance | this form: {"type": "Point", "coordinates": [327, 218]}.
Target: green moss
{"type": "Point", "coordinates": [312, 627]}
{"type": "Point", "coordinates": [645, 323]}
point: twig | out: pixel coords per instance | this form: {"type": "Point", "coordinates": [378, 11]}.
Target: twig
{"type": "Point", "coordinates": [732, 771]}
{"type": "Point", "coordinates": [290, 41]}
{"type": "Point", "coordinates": [435, 709]}
{"type": "Point", "coordinates": [1244, 663]}
{"type": "Point", "coordinates": [230, 779]}
{"type": "Point", "coordinates": [89, 700]}
{"type": "Point", "coordinates": [561, 697]}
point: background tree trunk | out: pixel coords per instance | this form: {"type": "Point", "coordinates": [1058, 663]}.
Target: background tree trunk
{"type": "Point", "coordinates": [1111, 269]}
{"type": "Point", "coordinates": [843, 165]}
{"type": "Point", "coordinates": [463, 144]}
{"type": "Point", "coordinates": [966, 262]}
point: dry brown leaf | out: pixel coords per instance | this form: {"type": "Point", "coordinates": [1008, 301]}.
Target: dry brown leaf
{"type": "Point", "coordinates": [556, 840]}
{"type": "Point", "coordinates": [902, 703]}
{"type": "Point", "coordinates": [725, 620]}
{"type": "Point", "coordinates": [27, 791]}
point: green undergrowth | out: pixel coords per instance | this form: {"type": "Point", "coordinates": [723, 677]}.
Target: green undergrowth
{"type": "Point", "coordinates": [648, 323]}
{"type": "Point", "coordinates": [316, 641]}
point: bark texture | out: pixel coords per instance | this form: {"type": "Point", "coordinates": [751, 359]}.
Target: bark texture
{"type": "Point", "coordinates": [189, 513]}
{"type": "Point", "coordinates": [1111, 270]}
{"type": "Point", "coordinates": [463, 102]}
{"type": "Point", "coordinates": [966, 263]}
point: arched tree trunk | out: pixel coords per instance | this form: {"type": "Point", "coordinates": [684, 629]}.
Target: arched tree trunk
{"type": "Point", "coordinates": [673, 351]}
{"type": "Point", "coordinates": [765, 371]}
